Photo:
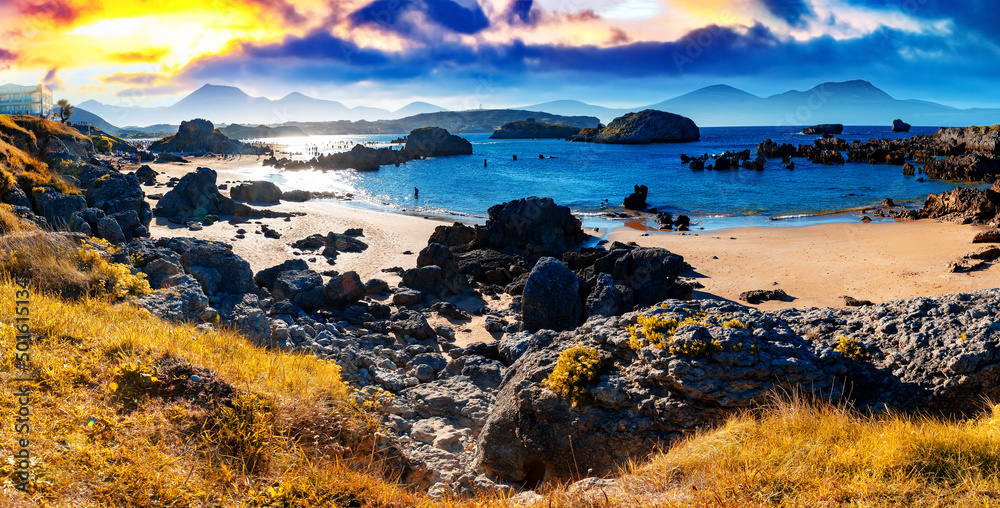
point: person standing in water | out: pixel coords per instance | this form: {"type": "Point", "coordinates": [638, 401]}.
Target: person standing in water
{"type": "Point", "coordinates": [416, 193]}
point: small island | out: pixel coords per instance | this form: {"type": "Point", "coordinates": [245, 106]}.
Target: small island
{"type": "Point", "coordinates": [824, 128]}
{"type": "Point", "coordinates": [642, 128]}
{"type": "Point", "coordinates": [530, 129]}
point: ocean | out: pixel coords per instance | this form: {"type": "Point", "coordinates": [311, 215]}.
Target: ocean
{"type": "Point", "coordinates": [593, 179]}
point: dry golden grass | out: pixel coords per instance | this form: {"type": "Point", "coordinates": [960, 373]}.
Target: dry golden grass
{"type": "Point", "coordinates": [56, 264]}
{"type": "Point", "coordinates": [21, 133]}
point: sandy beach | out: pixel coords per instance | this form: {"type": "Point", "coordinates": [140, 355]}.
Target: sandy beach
{"type": "Point", "coordinates": [816, 265]}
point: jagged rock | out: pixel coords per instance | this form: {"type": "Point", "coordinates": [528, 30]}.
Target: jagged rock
{"type": "Point", "coordinates": [605, 299]}
{"type": "Point", "coordinates": [900, 126]}
{"type": "Point", "coordinates": [551, 297]}
{"type": "Point", "coordinates": [407, 322]}
{"type": "Point", "coordinates": [829, 157]}
{"type": "Point", "coordinates": [213, 264]}
{"type": "Point", "coordinates": [992, 236]}
{"type": "Point", "coordinates": [56, 207]}
{"type": "Point", "coordinates": [637, 200]}
{"type": "Point", "coordinates": [762, 295]}
{"type": "Point", "coordinates": [407, 298]}
{"type": "Point", "coordinates": [302, 287]}
{"type": "Point", "coordinates": [116, 194]}
{"type": "Point", "coordinates": [266, 277]}
{"type": "Point", "coordinates": [770, 150]}
{"type": "Point", "coordinates": [180, 298]}
{"type": "Point", "coordinates": [194, 197]}
{"type": "Point", "coordinates": [256, 192]}
{"type": "Point", "coordinates": [451, 236]}
{"type": "Point", "coordinates": [965, 205]}
{"type": "Point", "coordinates": [649, 274]}
{"type": "Point", "coordinates": [437, 255]}
{"type": "Point", "coordinates": [644, 127]}
{"type": "Point", "coordinates": [109, 230]}
{"type": "Point", "coordinates": [244, 313]}
{"type": "Point", "coordinates": [965, 168]}
{"type": "Point", "coordinates": [531, 221]}
{"type": "Point", "coordinates": [146, 175]}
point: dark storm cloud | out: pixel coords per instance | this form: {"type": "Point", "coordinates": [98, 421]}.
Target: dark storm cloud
{"type": "Point", "coordinates": [391, 15]}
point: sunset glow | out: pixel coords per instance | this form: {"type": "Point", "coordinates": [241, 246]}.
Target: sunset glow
{"type": "Point", "coordinates": [105, 49]}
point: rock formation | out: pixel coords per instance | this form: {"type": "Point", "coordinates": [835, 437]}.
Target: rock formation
{"type": "Point", "coordinates": [530, 129]}
{"type": "Point", "coordinates": [824, 128]}
{"type": "Point", "coordinates": [900, 126]}
{"type": "Point", "coordinates": [644, 127]}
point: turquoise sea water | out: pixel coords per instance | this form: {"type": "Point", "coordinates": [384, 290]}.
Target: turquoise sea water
{"type": "Point", "coordinates": [584, 175]}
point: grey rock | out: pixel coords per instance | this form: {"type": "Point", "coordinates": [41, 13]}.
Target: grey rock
{"type": "Point", "coordinates": [109, 230]}
{"type": "Point", "coordinates": [551, 297]}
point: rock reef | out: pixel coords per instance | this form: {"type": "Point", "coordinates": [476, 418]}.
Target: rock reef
{"type": "Point", "coordinates": [645, 127]}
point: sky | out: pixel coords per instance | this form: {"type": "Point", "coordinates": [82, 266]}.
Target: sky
{"type": "Point", "coordinates": [464, 54]}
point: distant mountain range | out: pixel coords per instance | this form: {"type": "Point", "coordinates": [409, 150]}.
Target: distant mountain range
{"type": "Point", "coordinates": [227, 104]}
{"type": "Point", "coordinates": [855, 102]}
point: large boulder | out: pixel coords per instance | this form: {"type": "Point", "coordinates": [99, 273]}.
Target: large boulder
{"type": "Point", "coordinates": [900, 126]}
{"type": "Point", "coordinates": [256, 192]}
{"type": "Point", "coordinates": [649, 273]}
{"type": "Point", "coordinates": [345, 289]}
{"type": "Point", "coordinates": [180, 299]}
{"type": "Point", "coordinates": [302, 287]}
{"type": "Point", "coordinates": [213, 264]}
{"type": "Point", "coordinates": [964, 205]}
{"type": "Point", "coordinates": [642, 399]}
{"type": "Point", "coordinates": [116, 193]}
{"type": "Point", "coordinates": [551, 297]}
{"type": "Point", "coordinates": [644, 127]}
{"type": "Point", "coordinates": [266, 277]}
{"type": "Point", "coordinates": [531, 221]}
{"type": "Point", "coordinates": [435, 141]}
{"type": "Point", "coordinates": [194, 197]}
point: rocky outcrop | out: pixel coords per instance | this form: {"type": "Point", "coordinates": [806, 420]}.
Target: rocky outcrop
{"type": "Point", "coordinates": [645, 127]}
{"type": "Point", "coordinates": [56, 207]}
{"type": "Point", "coordinates": [531, 222]}
{"type": "Point", "coordinates": [120, 197]}
{"type": "Point", "coordinates": [984, 140]}
{"type": "Point", "coordinates": [256, 192]}
{"type": "Point", "coordinates": [900, 126]}
{"type": "Point", "coordinates": [770, 150]}
{"type": "Point", "coordinates": [962, 205]}
{"type": "Point", "coordinates": [932, 354]}
{"type": "Point", "coordinates": [824, 128]}
{"type": "Point", "coordinates": [530, 129]}
{"type": "Point", "coordinates": [435, 142]}
{"type": "Point", "coordinates": [642, 398]}
{"type": "Point", "coordinates": [196, 196]}
{"type": "Point", "coordinates": [637, 200]}
{"type": "Point", "coordinates": [200, 137]}
{"type": "Point", "coordinates": [360, 158]}
{"type": "Point", "coordinates": [964, 168]}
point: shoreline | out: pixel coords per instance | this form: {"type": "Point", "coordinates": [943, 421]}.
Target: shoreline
{"type": "Point", "coordinates": [816, 264]}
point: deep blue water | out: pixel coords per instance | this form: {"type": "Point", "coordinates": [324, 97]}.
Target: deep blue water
{"type": "Point", "coordinates": [584, 175]}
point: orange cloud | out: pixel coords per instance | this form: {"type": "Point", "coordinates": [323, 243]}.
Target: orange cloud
{"type": "Point", "coordinates": [151, 55]}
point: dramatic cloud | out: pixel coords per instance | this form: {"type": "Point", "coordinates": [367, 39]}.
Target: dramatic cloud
{"type": "Point", "coordinates": [792, 11]}
{"type": "Point", "coordinates": [60, 11]}
{"type": "Point", "coordinates": [398, 15]}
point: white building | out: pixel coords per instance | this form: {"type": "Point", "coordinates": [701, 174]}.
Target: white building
{"type": "Point", "coordinates": [25, 100]}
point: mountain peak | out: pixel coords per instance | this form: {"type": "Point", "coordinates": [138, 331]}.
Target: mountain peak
{"type": "Point", "coordinates": [218, 91]}
{"type": "Point", "coordinates": [854, 86]}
